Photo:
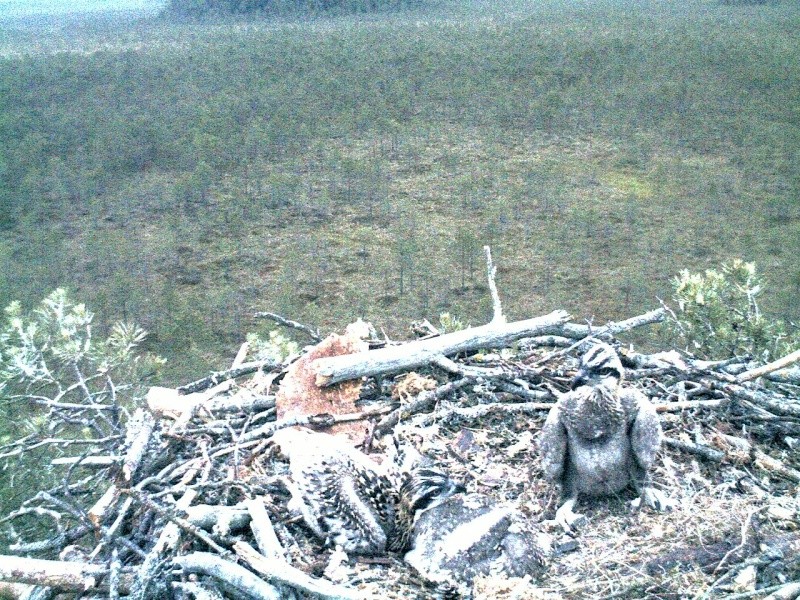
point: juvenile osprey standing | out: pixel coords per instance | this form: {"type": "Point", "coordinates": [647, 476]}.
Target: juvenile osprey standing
{"type": "Point", "coordinates": [600, 437]}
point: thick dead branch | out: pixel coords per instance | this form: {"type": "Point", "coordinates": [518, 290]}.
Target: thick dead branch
{"type": "Point", "coordinates": [224, 518]}
{"type": "Point", "coordinates": [140, 428]}
{"type": "Point", "coordinates": [420, 352]}
{"type": "Point", "coordinates": [788, 591]}
{"type": "Point", "coordinates": [56, 574]}
{"type": "Point", "coordinates": [248, 584]}
{"type": "Point", "coordinates": [773, 465]}
{"type": "Point", "coordinates": [612, 328]}
{"type": "Point", "coordinates": [263, 531]}
{"type": "Point", "coordinates": [779, 406]}
{"type": "Point", "coordinates": [451, 366]}
{"type": "Point", "coordinates": [704, 452]}
{"type": "Point", "coordinates": [775, 365]}
{"type": "Point", "coordinates": [280, 572]}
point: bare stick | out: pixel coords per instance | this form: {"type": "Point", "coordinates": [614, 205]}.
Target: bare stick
{"type": "Point", "coordinates": [54, 573]}
{"type": "Point", "coordinates": [464, 370]}
{"type": "Point", "coordinates": [220, 376]}
{"type": "Point", "coordinates": [322, 420]}
{"type": "Point", "coordinates": [314, 335]}
{"type": "Point", "coordinates": [420, 352]}
{"type": "Point", "coordinates": [704, 452]}
{"type": "Point", "coordinates": [280, 572]}
{"type": "Point", "coordinates": [248, 584]}
{"type": "Point", "coordinates": [161, 511]}
{"type": "Point", "coordinates": [775, 365]}
{"type": "Point", "coordinates": [491, 271]}
{"type": "Point", "coordinates": [688, 405]}
{"type": "Point", "coordinates": [262, 528]}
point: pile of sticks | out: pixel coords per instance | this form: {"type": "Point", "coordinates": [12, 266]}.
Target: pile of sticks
{"type": "Point", "coordinates": [188, 501]}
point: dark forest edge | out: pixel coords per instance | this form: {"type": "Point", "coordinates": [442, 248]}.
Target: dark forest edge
{"type": "Point", "coordinates": [221, 8]}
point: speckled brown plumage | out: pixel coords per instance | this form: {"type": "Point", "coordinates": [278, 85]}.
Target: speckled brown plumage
{"type": "Point", "coordinates": [348, 500]}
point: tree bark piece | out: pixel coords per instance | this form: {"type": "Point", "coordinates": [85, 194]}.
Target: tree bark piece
{"type": "Point", "coordinates": [417, 353]}
{"type": "Point", "coordinates": [299, 395]}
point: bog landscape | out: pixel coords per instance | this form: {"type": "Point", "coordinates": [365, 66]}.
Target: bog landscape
{"type": "Point", "coordinates": [194, 195]}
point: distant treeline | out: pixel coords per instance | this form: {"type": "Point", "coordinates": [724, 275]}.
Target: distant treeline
{"type": "Point", "coordinates": [202, 8]}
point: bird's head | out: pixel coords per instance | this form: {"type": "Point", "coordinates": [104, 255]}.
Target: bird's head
{"type": "Point", "coordinates": [600, 366]}
{"type": "Point", "coordinates": [425, 486]}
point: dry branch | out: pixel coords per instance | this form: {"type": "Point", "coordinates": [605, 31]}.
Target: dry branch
{"type": "Point", "coordinates": [280, 572]}
{"type": "Point", "coordinates": [263, 531]}
{"type": "Point", "coordinates": [220, 376]}
{"type": "Point", "coordinates": [704, 452]}
{"type": "Point", "coordinates": [54, 573]}
{"type": "Point", "coordinates": [249, 585]}
{"type": "Point", "coordinates": [140, 428]}
{"type": "Point", "coordinates": [420, 352]}
{"type": "Point", "coordinates": [612, 328]}
{"type": "Point", "coordinates": [775, 365]}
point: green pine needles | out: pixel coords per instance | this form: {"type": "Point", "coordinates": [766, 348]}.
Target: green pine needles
{"type": "Point", "coordinates": [718, 315]}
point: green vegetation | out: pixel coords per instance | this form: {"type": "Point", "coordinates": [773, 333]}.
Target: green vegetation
{"type": "Point", "coordinates": [718, 315]}
{"type": "Point", "coordinates": [50, 362]}
{"type": "Point", "coordinates": [184, 176]}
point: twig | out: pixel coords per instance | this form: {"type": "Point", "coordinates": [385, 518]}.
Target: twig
{"type": "Point", "coordinates": [220, 376]}
{"type": "Point", "coordinates": [775, 365]}
{"type": "Point", "coordinates": [318, 421]}
{"type": "Point", "coordinates": [280, 572]}
{"type": "Point", "coordinates": [491, 271]}
{"type": "Point", "coordinates": [248, 584]}
{"type": "Point", "coordinates": [161, 511]}
{"type": "Point", "coordinates": [424, 401]}
{"type": "Point", "coordinates": [314, 335]}
{"type": "Point", "coordinates": [681, 405]}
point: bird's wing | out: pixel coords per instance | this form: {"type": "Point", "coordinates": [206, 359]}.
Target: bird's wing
{"type": "Point", "coordinates": [553, 445]}
{"type": "Point", "coordinates": [645, 428]}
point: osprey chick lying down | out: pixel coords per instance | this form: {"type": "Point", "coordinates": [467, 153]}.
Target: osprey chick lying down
{"type": "Point", "coordinates": [600, 437]}
{"type": "Point", "coordinates": [349, 500]}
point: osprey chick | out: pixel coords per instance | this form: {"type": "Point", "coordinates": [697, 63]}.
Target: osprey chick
{"type": "Point", "coordinates": [600, 437]}
{"type": "Point", "coordinates": [351, 501]}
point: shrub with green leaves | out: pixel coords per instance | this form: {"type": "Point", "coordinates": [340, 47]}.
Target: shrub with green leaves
{"type": "Point", "coordinates": [275, 346]}
{"type": "Point", "coordinates": [718, 315]}
{"type": "Point", "coordinates": [62, 388]}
